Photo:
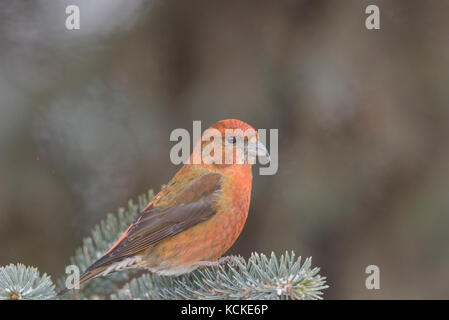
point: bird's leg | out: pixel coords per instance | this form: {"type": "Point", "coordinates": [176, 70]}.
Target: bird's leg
{"type": "Point", "coordinates": [232, 260]}
{"type": "Point", "coordinates": [209, 263]}
{"type": "Point", "coordinates": [228, 259]}
{"type": "Point", "coordinates": [217, 263]}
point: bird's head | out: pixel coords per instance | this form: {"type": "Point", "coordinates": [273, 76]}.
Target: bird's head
{"type": "Point", "coordinates": [229, 142]}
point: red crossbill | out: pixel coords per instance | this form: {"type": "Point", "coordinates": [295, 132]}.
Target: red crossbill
{"type": "Point", "coordinates": [198, 215]}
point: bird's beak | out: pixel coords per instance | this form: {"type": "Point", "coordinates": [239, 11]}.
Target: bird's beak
{"type": "Point", "coordinates": [257, 148]}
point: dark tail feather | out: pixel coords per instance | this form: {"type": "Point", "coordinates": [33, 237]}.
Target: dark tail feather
{"type": "Point", "coordinates": [89, 274]}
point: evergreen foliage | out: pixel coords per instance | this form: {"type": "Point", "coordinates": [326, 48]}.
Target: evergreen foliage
{"type": "Point", "coordinates": [18, 282]}
{"type": "Point", "coordinates": [286, 277]}
{"type": "Point", "coordinates": [259, 278]}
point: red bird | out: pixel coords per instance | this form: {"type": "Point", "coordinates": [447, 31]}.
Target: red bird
{"type": "Point", "coordinates": [198, 215]}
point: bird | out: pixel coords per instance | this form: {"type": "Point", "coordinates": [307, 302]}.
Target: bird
{"type": "Point", "coordinates": [198, 215]}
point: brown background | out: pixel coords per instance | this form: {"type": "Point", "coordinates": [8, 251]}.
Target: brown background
{"type": "Point", "coordinates": [363, 120]}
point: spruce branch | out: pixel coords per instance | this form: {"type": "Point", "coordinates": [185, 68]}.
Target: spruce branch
{"type": "Point", "coordinates": [259, 278]}
{"type": "Point", "coordinates": [18, 282]}
{"type": "Point", "coordinates": [103, 236]}
{"type": "Point", "coordinates": [286, 277]}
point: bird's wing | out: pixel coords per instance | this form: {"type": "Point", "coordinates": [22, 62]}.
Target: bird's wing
{"type": "Point", "coordinates": [193, 204]}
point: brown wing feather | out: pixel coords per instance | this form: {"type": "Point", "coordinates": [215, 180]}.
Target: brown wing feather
{"type": "Point", "coordinates": [157, 223]}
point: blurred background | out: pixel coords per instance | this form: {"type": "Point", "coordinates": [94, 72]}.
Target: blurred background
{"type": "Point", "coordinates": [363, 119]}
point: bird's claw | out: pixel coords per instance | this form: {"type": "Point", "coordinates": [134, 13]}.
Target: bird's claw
{"type": "Point", "coordinates": [231, 260]}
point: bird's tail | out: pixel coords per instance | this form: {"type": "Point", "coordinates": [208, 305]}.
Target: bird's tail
{"type": "Point", "coordinates": [104, 266]}
{"type": "Point", "coordinates": [89, 274]}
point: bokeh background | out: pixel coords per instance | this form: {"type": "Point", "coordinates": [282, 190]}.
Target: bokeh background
{"type": "Point", "coordinates": [363, 120]}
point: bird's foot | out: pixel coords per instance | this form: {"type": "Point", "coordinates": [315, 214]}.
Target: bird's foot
{"type": "Point", "coordinates": [232, 260]}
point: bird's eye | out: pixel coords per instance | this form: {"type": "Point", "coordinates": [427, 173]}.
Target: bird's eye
{"type": "Point", "coordinates": [232, 139]}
